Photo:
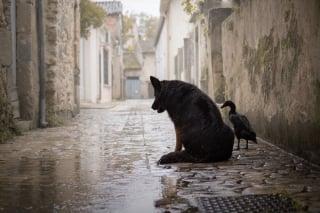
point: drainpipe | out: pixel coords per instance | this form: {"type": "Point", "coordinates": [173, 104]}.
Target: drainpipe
{"type": "Point", "coordinates": [42, 73]}
{"type": "Point", "coordinates": [13, 94]}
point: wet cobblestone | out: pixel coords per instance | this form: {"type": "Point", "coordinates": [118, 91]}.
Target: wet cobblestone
{"type": "Point", "coordinates": [105, 161]}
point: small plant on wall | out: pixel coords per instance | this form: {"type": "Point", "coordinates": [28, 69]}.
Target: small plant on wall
{"type": "Point", "coordinates": [191, 6]}
{"type": "Point", "coordinates": [8, 127]}
{"type": "Point", "coordinates": [91, 15]}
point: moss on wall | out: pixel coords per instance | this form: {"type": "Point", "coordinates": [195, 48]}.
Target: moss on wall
{"type": "Point", "coordinates": [280, 57]}
{"type": "Point", "coordinates": [270, 55]}
{"type": "Point", "coordinates": [56, 117]}
{"type": "Point", "coordinates": [291, 47]}
{"type": "Point", "coordinates": [278, 60]}
{"type": "Point", "coordinates": [8, 127]}
{"type": "Point", "coordinates": [261, 63]}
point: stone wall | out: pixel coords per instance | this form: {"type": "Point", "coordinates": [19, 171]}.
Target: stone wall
{"type": "Point", "coordinates": [27, 61]}
{"type": "Point", "coordinates": [271, 65]}
{"type": "Point", "coordinates": [62, 47]}
{"type": "Point", "coordinates": [19, 59]}
{"type": "Point", "coordinates": [5, 43]}
{"type": "Point", "coordinates": [8, 126]}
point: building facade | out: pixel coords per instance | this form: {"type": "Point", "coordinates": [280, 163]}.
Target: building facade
{"type": "Point", "coordinates": [138, 72]}
{"type": "Point", "coordinates": [139, 64]}
{"type": "Point", "coordinates": [96, 69]}
{"type": "Point", "coordinates": [101, 58]}
{"type": "Point", "coordinates": [174, 27]}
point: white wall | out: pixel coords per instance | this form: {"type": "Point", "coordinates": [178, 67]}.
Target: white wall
{"type": "Point", "coordinates": [89, 68]}
{"type": "Point", "coordinates": [178, 28]}
{"type": "Point", "coordinates": [175, 28]}
{"type": "Point", "coordinates": [161, 55]}
{"type": "Point", "coordinates": [93, 89]}
{"type": "Point", "coordinates": [148, 69]}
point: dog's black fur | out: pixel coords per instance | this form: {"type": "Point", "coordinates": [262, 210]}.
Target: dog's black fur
{"type": "Point", "coordinates": [197, 120]}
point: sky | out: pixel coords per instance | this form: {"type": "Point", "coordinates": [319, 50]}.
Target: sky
{"type": "Point", "coordinates": [150, 7]}
{"type": "Point", "coordinates": [147, 6]}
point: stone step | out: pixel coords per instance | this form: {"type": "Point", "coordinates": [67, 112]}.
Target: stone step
{"type": "Point", "coordinates": [24, 126]}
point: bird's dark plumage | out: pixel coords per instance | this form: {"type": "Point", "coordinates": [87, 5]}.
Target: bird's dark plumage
{"type": "Point", "coordinates": [241, 124]}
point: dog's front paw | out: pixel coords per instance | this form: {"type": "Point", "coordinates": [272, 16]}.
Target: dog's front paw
{"type": "Point", "coordinates": [168, 158]}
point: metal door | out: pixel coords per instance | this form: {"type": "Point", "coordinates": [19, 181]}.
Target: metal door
{"type": "Point", "coordinates": [133, 88]}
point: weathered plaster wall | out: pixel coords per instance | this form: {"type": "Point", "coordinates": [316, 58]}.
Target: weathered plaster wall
{"type": "Point", "coordinates": [216, 79]}
{"type": "Point", "coordinates": [271, 65]}
{"type": "Point", "coordinates": [61, 59]}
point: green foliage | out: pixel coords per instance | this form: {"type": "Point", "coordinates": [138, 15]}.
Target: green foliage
{"type": "Point", "coordinates": [298, 206]}
{"type": "Point", "coordinates": [54, 119]}
{"type": "Point", "coordinates": [150, 28]}
{"type": "Point", "coordinates": [127, 25]}
{"type": "Point", "coordinates": [91, 15]}
{"type": "Point", "coordinates": [146, 26]}
{"type": "Point", "coordinates": [190, 6]}
{"type": "Point", "coordinates": [8, 127]}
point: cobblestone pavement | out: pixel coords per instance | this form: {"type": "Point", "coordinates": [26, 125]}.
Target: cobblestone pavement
{"type": "Point", "coordinates": [105, 161]}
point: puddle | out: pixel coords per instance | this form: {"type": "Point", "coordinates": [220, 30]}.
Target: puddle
{"type": "Point", "coordinates": [105, 161]}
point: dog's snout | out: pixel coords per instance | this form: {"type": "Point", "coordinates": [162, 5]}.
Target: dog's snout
{"type": "Point", "coordinates": [154, 105]}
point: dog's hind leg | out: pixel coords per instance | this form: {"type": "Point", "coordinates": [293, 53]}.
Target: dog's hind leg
{"type": "Point", "coordinates": [178, 140]}
{"type": "Point", "coordinates": [177, 157]}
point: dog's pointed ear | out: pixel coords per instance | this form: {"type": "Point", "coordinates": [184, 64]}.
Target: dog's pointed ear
{"type": "Point", "coordinates": [155, 83]}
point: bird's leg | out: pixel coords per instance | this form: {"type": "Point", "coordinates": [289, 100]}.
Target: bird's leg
{"type": "Point", "coordinates": [247, 145]}
{"type": "Point", "coordinates": [238, 144]}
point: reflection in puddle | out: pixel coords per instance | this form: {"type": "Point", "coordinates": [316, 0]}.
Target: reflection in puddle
{"type": "Point", "coordinates": [105, 161]}
{"type": "Point", "coordinates": [170, 200]}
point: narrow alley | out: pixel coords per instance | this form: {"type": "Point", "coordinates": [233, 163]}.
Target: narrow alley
{"type": "Point", "coordinates": [105, 160]}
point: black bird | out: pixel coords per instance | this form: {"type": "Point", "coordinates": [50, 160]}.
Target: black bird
{"type": "Point", "coordinates": [241, 124]}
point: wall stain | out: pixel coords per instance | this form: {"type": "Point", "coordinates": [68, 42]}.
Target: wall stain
{"type": "Point", "coordinates": [271, 56]}
{"type": "Point", "coordinates": [261, 64]}
{"type": "Point", "coordinates": [272, 67]}
{"type": "Point", "coordinates": [287, 16]}
{"type": "Point", "coordinates": [291, 47]}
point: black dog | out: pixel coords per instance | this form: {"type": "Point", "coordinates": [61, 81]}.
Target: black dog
{"type": "Point", "coordinates": [198, 123]}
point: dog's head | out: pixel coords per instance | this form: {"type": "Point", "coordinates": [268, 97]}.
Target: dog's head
{"type": "Point", "coordinates": [158, 103]}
